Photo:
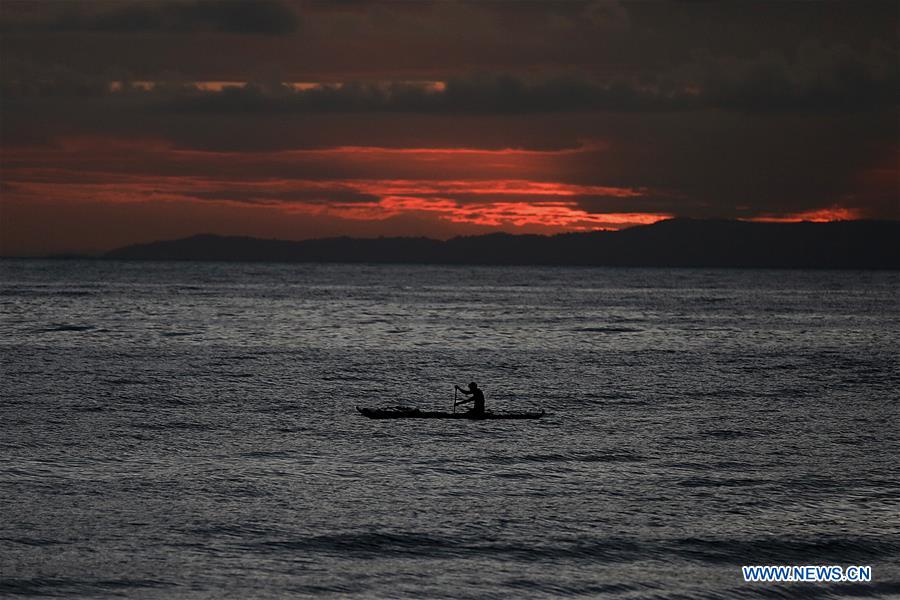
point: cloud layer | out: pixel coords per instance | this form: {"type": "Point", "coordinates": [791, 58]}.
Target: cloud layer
{"type": "Point", "coordinates": [300, 119]}
{"type": "Point", "coordinates": [266, 17]}
{"type": "Point", "coordinates": [817, 78]}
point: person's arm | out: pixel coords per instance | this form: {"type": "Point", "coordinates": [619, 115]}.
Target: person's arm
{"type": "Point", "coordinates": [464, 400]}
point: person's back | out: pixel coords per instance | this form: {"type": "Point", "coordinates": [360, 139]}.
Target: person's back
{"type": "Point", "coordinates": [477, 397]}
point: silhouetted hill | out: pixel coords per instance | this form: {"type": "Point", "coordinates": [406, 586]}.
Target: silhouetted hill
{"type": "Point", "coordinates": [673, 243]}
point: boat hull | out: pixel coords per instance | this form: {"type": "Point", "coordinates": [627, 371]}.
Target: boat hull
{"type": "Point", "coordinates": [415, 413]}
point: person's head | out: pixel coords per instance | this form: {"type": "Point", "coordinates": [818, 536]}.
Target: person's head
{"type": "Point", "coordinates": [473, 386]}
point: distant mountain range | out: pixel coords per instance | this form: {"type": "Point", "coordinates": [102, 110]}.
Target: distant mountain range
{"type": "Point", "coordinates": [672, 243]}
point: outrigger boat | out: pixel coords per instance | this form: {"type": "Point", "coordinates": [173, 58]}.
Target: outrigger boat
{"type": "Point", "coordinates": [406, 412]}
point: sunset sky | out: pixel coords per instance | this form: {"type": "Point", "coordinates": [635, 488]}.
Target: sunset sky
{"type": "Point", "coordinates": [124, 122]}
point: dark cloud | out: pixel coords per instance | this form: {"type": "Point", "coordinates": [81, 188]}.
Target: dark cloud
{"type": "Point", "coordinates": [817, 78]}
{"type": "Point", "coordinates": [235, 193]}
{"type": "Point", "coordinates": [426, 39]}
{"type": "Point", "coordinates": [266, 17]}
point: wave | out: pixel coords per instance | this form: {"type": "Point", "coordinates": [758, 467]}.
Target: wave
{"type": "Point", "coordinates": [364, 544]}
{"type": "Point", "coordinates": [126, 381]}
{"type": "Point", "coordinates": [89, 408]}
{"type": "Point", "coordinates": [26, 292]}
{"type": "Point", "coordinates": [696, 482]}
{"type": "Point", "coordinates": [713, 299]}
{"type": "Point", "coordinates": [730, 434]}
{"type": "Point", "coordinates": [808, 590]}
{"type": "Point", "coordinates": [66, 327]}
{"type": "Point", "coordinates": [56, 586]}
{"type": "Point", "coordinates": [562, 457]}
{"type": "Point", "coordinates": [32, 541]}
{"type": "Point", "coordinates": [174, 425]}
{"type": "Point", "coordinates": [590, 590]}
{"type": "Point", "coordinates": [777, 550]}
{"type": "Point", "coordinates": [382, 544]}
{"type": "Point", "coordinates": [608, 329]}
{"type": "Point", "coordinates": [267, 454]}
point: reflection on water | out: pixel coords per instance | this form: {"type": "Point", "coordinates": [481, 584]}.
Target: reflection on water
{"type": "Point", "coordinates": [182, 430]}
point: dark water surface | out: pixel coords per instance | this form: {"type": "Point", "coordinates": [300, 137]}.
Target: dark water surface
{"type": "Point", "coordinates": [188, 430]}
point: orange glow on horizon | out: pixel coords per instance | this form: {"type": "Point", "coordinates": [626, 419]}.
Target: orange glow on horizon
{"type": "Point", "coordinates": [125, 188]}
{"type": "Point", "coordinates": [557, 215]}
{"type": "Point", "coordinates": [463, 202]}
{"type": "Point", "coordinates": [98, 144]}
{"type": "Point", "coordinates": [212, 85]}
{"type": "Point", "coordinates": [822, 215]}
{"type": "Point", "coordinates": [121, 185]}
{"type": "Point", "coordinates": [522, 171]}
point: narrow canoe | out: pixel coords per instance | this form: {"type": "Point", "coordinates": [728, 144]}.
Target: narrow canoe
{"type": "Point", "coordinates": [402, 412]}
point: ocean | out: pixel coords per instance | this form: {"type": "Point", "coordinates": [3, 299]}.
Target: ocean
{"type": "Point", "coordinates": [188, 430]}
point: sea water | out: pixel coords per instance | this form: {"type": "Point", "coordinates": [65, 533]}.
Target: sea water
{"type": "Point", "coordinates": [188, 430]}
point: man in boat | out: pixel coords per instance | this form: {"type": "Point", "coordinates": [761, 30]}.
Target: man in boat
{"type": "Point", "coordinates": [477, 396]}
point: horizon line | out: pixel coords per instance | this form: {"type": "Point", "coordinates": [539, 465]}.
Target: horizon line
{"type": "Point", "coordinates": [755, 221]}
